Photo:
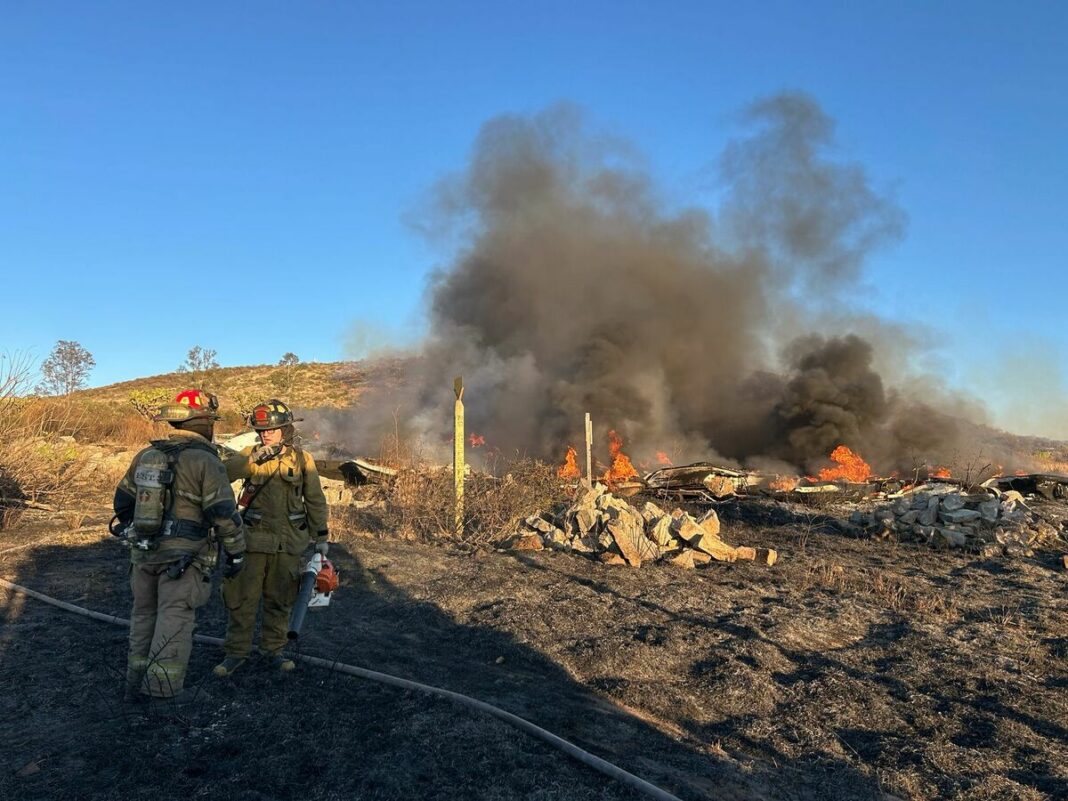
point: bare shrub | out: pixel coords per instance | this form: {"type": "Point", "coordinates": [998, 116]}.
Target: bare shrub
{"type": "Point", "coordinates": [38, 468]}
{"type": "Point", "coordinates": [420, 501]}
{"type": "Point", "coordinates": [74, 520]}
{"type": "Point", "coordinates": [10, 515]}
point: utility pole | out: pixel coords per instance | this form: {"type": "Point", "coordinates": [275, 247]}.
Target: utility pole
{"type": "Point", "coordinates": [458, 456]}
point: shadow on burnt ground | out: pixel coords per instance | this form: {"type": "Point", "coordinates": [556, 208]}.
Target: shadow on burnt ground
{"type": "Point", "coordinates": [891, 679]}
{"type": "Point", "coordinates": [817, 517]}
{"type": "Point", "coordinates": [316, 734]}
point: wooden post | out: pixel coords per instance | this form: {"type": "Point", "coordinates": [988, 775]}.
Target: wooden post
{"type": "Point", "coordinates": [589, 450]}
{"type": "Point", "coordinates": [458, 456]}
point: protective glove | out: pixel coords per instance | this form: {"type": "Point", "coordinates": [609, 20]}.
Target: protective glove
{"type": "Point", "coordinates": [234, 565]}
{"type": "Point", "coordinates": [323, 548]}
{"type": "Point", "coordinates": [264, 453]}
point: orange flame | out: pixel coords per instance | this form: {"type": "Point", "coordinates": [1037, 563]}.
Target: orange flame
{"type": "Point", "coordinates": [569, 469]}
{"type": "Point", "coordinates": [663, 458]}
{"type": "Point", "coordinates": [941, 472]}
{"type": "Point", "coordinates": [476, 440]}
{"type": "Point", "coordinates": [783, 483]}
{"type": "Point", "coordinates": [621, 468]}
{"type": "Point", "coordinates": [850, 466]}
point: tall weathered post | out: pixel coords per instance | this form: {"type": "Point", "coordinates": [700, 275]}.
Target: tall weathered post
{"type": "Point", "coordinates": [589, 451]}
{"type": "Point", "coordinates": [458, 456]}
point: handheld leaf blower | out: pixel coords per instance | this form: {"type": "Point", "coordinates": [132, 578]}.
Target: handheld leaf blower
{"type": "Point", "coordinates": [317, 585]}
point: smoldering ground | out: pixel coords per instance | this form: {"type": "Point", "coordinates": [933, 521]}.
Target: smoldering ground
{"type": "Point", "coordinates": [576, 286]}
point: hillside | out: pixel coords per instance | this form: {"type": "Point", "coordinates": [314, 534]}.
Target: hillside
{"type": "Point", "coordinates": [306, 385]}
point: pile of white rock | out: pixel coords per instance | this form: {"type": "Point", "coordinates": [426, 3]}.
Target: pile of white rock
{"type": "Point", "coordinates": [602, 526]}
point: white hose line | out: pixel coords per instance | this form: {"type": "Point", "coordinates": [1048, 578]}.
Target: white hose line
{"type": "Point", "coordinates": [572, 750]}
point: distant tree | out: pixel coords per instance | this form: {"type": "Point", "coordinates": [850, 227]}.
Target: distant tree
{"type": "Point", "coordinates": [66, 368]}
{"type": "Point", "coordinates": [284, 382]}
{"type": "Point", "coordinates": [200, 363]}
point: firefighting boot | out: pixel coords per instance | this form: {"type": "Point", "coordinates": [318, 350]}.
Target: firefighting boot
{"type": "Point", "coordinates": [281, 663]}
{"type": "Point", "coordinates": [132, 694]}
{"type": "Point", "coordinates": [226, 668]}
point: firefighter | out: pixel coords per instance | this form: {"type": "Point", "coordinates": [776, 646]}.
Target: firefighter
{"type": "Point", "coordinates": [284, 509]}
{"type": "Point", "coordinates": [171, 507]}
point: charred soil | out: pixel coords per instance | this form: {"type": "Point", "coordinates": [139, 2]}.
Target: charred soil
{"type": "Point", "coordinates": [851, 669]}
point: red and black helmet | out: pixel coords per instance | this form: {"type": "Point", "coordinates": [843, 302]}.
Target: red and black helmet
{"type": "Point", "coordinates": [271, 414]}
{"type": "Point", "coordinates": [189, 404]}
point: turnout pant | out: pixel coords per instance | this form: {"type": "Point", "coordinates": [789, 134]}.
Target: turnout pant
{"type": "Point", "coordinates": [272, 577]}
{"type": "Point", "coordinates": [161, 627]}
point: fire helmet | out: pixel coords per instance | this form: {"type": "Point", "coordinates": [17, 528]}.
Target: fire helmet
{"type": "Point", "coordinates": [190, 404]}
{"type": "Point", "coordinates": [271, 414]}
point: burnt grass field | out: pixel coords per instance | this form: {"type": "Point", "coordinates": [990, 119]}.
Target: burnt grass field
{"type": "Point", "coordinates": [851, 669]}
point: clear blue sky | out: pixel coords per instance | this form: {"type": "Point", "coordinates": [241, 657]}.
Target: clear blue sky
{"type": "Point", "coordinates": [160, 163]}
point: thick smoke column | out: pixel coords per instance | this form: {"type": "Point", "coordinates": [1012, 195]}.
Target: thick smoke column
{"type": "Point", "coordinates": [577, 289]}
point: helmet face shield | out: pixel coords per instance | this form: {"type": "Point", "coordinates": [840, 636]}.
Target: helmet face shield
{"type": "Point", "coordinates": [272, 414]}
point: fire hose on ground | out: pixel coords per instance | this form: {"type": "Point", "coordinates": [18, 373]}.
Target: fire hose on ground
{"type": "Point", "coordinates": [572, 750]}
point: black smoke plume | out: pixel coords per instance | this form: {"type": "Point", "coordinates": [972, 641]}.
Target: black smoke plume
{"type": "Point", "coordinates": [577, 286]}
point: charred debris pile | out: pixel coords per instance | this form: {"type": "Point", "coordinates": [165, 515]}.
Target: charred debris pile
{"type": "Point", "coordinates": [670, 514]}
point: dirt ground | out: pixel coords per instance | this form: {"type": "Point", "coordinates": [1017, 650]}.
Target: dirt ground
{"type": "Point", "coordinates": [850, 670]}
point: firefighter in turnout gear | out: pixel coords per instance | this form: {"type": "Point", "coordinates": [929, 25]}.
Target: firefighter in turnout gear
{"type": "Point", "coordinates": [171, 508]}
{"type": "Point", "coordinates": [284, 509]}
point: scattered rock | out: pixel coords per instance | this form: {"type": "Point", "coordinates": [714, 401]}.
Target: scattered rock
{"type": "Point", "coordinates": [710, 523]}
{"type": "Point", "coordinates": [768, 556]}
{"type": "Point", "coordinates": [587, 519]}
{"type": "Point", "coordinates": [660, 532]}
{"type": "Point", "coordinates": [609, 558]}
{"type": "Point", "coordinates": [538, 523]}
{"type": "Point", "coordinates": [989, 510]}
{"type": "Point", "coordinates": [631, 542]}
{"type": "Point", "coordinates": [557, 538]}
{"type": "Point", "coordinates": [949, 538]}
{"type": "Point", "coordinates": [929, 516]}
{"type": "Point", "coordinates": [526, 542]}
{"type": "Point", "coordinates": [688, 530]}
{"type": "Point", "coordinates": [1018, 549]}
{"type": "Point", "coordinates": [958, 515]}
{"type": "Point", "coordinates": [652, 513]}
{"type": "Point", "coordinates": [583, 544]}
{"type": "Point", "coordinates": [952, 503]}
{"type": "Point", "coordinates": [683, 558]}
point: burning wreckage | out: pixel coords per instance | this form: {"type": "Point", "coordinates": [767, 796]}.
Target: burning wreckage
{"type": "Point", "coordinates": [623, 517]}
